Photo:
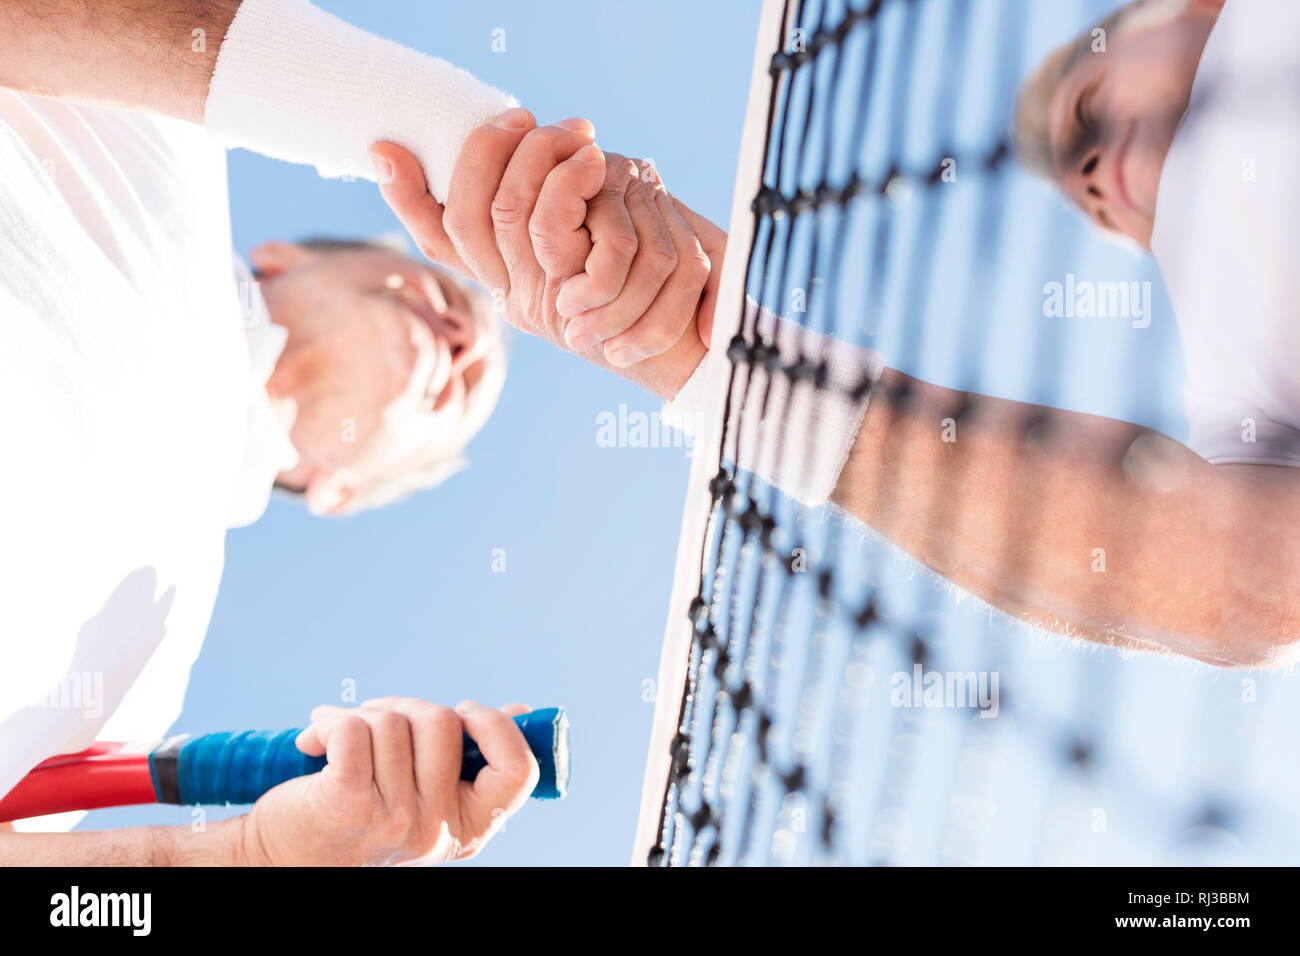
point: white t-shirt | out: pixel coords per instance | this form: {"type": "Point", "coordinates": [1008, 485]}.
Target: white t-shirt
{"type": "Point", "coordinates": [1227, 237]}
{"type": "Point", "coordinates": [130, 410]}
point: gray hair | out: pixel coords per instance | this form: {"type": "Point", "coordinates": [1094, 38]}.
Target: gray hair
{"type": "Point", "coordinates": [1031, 130]}
{"type": "Point", "coordinates": [431, 448]}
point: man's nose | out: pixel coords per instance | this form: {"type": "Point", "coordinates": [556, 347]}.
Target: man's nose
{"type": "Point", "coordinates": [461, 336]}
{"type": "Point", "coordinates": [1089, 181]}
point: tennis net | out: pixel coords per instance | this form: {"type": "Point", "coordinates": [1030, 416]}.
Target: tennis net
{"type": "Point", "coordinates": [879, 204]}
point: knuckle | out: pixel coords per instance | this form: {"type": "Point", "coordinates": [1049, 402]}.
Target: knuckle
{"type": "Point", "coordinates": [354, 723]}
{"type": "Point", "coordinates": [661, 257]}
{"type": "Point", "coordinates": [698, 267]}
{"type": "Point", "coordinates": [605, 289]}
{"type": "Point", "coordinates": [522, 771]}
{"type": "Point", "coordinates": [546, 238]}
{"type": "Point", "coordinates": [645, 186]}
{"type": "Point", "coordinates": [541, 225]}
{"type": "Point", "coordinates": [540, 136]}
{"type": "Point", "coordinates": [619, 171]}
{"type": "Point", "coordinates": [442, 721]}
{"type": "Point", "coordinates": [390, 722]}
{"type": "Point", "coordinates": [454, 219]}
{"type": "Point", "coordinates": [508, 208]}
{"type": "Point", "coordinates": [351, 730]}
{"type": "Point", "coordinates": [536, 138]}
{"type": "Point", "coordinates": [543, 140]}
{"type": "Point", "coordinates": [533, 772]}
{"type": "Point", "coordinates": [623, 242]}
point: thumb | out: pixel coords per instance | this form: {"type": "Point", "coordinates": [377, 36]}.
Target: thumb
{"type": "Point", "coordinates": [714, 243]}
{"type": "Point", "coordinates": [404, 187]}
{"type": "Point", "coordinates": [503, 786]}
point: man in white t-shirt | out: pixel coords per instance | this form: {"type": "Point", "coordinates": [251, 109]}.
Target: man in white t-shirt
{"type": "Point", "coordinates": [1173, 125]}
{"type": "Point", "coordinates": [157, 391]}
{"type": "Point", "coordinates": [1201, 555]}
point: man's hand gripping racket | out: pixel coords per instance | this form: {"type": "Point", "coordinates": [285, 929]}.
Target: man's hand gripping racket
{"type": "Point", "coordinates": [396, 780]}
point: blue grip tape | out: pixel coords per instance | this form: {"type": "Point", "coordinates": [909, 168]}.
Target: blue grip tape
{"type": "Point", "coordinates": [547, 733]}
{"type": "Point", "coordinates": [237, 768]}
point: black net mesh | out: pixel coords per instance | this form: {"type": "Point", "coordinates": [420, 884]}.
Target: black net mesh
{"type": "Point", "coordinates": [890, 195]}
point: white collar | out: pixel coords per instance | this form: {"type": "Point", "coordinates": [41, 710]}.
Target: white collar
{"type": "Point", "coordinates": [267, 448]}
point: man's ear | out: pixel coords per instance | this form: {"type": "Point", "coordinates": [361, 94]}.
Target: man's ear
{"type": "Point", "coordinates": [272, 258]}
{"type": "Point", "coordinates": [329, 493]}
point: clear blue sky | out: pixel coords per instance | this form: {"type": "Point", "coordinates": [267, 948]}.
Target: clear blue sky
{"type": "Point", "coordinates": [405, 601]}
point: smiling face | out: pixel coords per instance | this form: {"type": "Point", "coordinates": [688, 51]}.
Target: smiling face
{"type": "Point", "coordinates": [1107, 118]}
{"type": "Point", "coordinates": [383, 351]}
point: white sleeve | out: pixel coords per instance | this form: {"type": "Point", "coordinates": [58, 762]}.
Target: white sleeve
{"type": "Point", "coordinates": [1227, 238]}
{"type": "Point", "coordinates": [802, 444]}
{"type": "Point", "coordinates": [299, 84]}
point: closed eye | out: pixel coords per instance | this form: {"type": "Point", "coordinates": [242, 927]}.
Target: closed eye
{"type": "Point", "coordinates": [1085, 125]}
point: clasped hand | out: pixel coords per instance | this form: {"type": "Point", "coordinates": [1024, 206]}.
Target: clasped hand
{"type": "Point", "coordinates": [583, 248]}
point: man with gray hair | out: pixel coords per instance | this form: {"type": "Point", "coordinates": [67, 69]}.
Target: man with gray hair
{"type": "Point", "coordinates": [159, 393]}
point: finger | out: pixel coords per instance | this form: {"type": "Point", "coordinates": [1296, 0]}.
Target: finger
{"type": "Point", "coordinates": [710, 235]}
{"type": "Point", "coordinates": [392, 765]}
{"type": "Point", "coordinates": [467, 218]}
{"type": "Point", "coordinates": [673, 311]}
{"type": "Point", "coordinates": [504, 784]}
{"type": "Point", "coordinates": [655, 260]}
{"type": "Point", "coordinates": [311, 739]}
{"type": "Point", "coordinates": [345, 743]}
{"type": "Point", "coordinates": [558, 226]}
{"type": "Point", "coordinates": [614, 244]}
{"type": "Point", "coordinates": [390, 734]}
{"type": "Point", "coordinates": [405, 189]}
{"type": "Point", "coordinates": [714, 242]}
{"type": "Point", "coordinates": [541, 151]}
{"type": "Point", "coordinates": [514, 710]}
{"type": "Point", "coordinates": [436, 741]}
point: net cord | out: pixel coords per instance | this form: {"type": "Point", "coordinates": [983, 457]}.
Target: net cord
{"type": "Point", "coordinates": [671, 682]}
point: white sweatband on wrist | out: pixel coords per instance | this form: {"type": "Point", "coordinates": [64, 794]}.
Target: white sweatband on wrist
{"type": "Point", "coordinates": [299, 84]}
{"type": "Point", "coordinates": [802, 445]}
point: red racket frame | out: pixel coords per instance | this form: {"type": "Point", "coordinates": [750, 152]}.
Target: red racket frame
{"type": "Point", "coordinates": [105, 774]}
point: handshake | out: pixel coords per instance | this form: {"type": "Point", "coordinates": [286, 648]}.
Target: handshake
{"type": "Point", "coordinates": [577, 246]}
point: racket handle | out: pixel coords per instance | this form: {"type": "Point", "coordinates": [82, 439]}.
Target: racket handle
{"type": "Point", "coordinates": [237, 768]}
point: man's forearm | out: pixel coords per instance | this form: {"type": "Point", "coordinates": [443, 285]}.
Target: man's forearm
{"type": "Point", "coordinates": [218, 844]}
{"type": "Point", "coordinates": [1083, 525]}
{"type": "Point", "coordinates": [153, 55]}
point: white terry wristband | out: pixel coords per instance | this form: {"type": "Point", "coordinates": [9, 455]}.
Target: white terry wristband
{"type": "Point", "coordinates": [299, 84]}
{"type": "Point", "coordinates": [802, 445]}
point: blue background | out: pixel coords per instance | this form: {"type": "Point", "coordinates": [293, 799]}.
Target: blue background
{"type": "Point", "coordinates": [405, 601]}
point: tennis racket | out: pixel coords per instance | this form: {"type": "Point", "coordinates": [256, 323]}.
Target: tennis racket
{"type": "Point", "coordinates": [231, 769]}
